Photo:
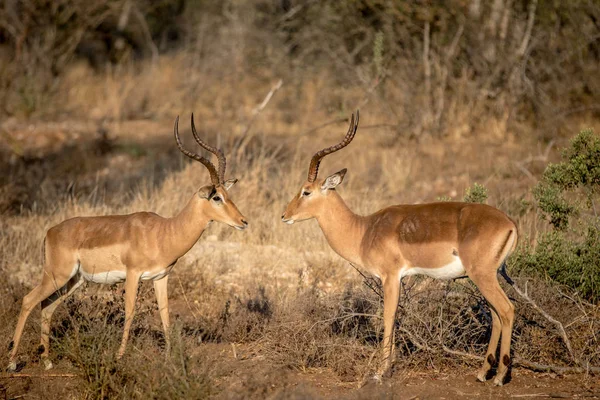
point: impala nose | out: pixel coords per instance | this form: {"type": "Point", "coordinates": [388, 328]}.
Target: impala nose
{"type": "Point", "coordinates": [244, 222]}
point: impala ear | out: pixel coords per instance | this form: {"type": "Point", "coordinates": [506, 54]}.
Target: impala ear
{"type": "Point", "coordinates": [333, 180]}
{"type": "Point", "coordinates": [229, 183]}
{"type": "Point", "coordinates": [206, 192]}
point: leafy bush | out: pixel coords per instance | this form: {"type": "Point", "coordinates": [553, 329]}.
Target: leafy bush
{"type": "Point", "coordinates": [568, 254]}
{"type": "Point", "coordinates": [580, 170]}
{"type": "Point", "coordinates": [570, 262]}
{"type": "Point", "coordinates": [476, 194]}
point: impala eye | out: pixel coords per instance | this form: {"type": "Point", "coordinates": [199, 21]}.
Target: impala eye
{"type": "Point", "coordinates": [305, 193]}
{"type": "Point", "coordinates": [216, 198]}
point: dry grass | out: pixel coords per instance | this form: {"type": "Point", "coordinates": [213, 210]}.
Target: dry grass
{"type": "Point", "coordinates": [278, 290]}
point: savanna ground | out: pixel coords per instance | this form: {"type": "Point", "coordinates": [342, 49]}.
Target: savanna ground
{"type": "Point", "coordinates": [272, 312]}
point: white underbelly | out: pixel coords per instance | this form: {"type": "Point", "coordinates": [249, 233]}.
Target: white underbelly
{"type": "Point", "coordinates": [448, 271]}
{"type": "Point", "coordinates": [107, 277]}
{"type": "Point", "coordinates": [154, 276]}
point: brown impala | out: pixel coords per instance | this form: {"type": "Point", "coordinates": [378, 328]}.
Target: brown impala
{"type": "Point", "coordinates": [129, 248]}
{"type": "Point", "coordinates": [440, 240]}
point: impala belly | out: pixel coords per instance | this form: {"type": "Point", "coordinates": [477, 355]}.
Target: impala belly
{"type": "Point", "coordinates": [107, 277]}
{"type": "Point", "coordinates": [452, 270]}
{"type": "Point", "coordinates": [102, 265]}
{"type": "Point", "coordinates": [153, 275]}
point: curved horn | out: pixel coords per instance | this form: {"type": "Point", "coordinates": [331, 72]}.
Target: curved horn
{"type": "Point", "coordinates": [214, 177]}
{"type": "Point", "coordinates": [313, 170]}
{"type": "Point", "coordinates": [214, 150]}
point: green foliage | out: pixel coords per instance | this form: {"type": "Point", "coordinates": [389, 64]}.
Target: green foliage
{"type": "Point", "coordinates": [378, 53]}
{"type": "Point", "coordinates": [569, 253]}
{"type": "Point", "coordinates": [580, 170]}
{"type": "Point", "coordinates": [572, 263]}
{"type": "Point", "coordinates": [476, 194]}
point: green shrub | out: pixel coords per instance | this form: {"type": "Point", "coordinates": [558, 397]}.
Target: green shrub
{"type": "Point", "coordinates": [578, 174]}
{"type": "Point", "coordinates": [476, 194]}
{"type": "Point", "coordinates": [569, 252]}
{"type": "Point", "coordinates": [574, 263]}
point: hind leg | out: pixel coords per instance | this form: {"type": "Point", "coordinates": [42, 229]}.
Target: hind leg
{"type": "Point", "coordinates": [505, 310]}
{"type": "Point", "coordinates": [47, 311]}
{"type": "Point", "coordinates": [490, 356]}
{"type": "Point", "coordinates": [39, 293]}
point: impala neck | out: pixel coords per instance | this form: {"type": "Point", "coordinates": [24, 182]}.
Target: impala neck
{"type": "Point", "coordinates": [343, 229]}
{"type": "Point", "coordinates": [184, 229]}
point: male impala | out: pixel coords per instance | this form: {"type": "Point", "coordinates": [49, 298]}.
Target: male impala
{"type": "Point", "coordinates": [440, 240]}
{"type": "Point", "coordinates": [130, 248]}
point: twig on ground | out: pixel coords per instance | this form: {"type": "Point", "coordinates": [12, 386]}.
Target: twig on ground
{"type": "Point", "coordinates": [520, 362]}
{"type": "Point", "coordinates": [21, 375]}
{"type": "Point", "coordinates": [558, 324]}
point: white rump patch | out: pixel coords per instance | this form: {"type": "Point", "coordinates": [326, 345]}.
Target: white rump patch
{"type": "Point", "coordinates": [448, 271]}
{"type": "Point", "coordinates": [107, 278]}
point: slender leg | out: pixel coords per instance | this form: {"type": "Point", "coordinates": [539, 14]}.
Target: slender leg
{"type": "Point", "coordinates": [131, 286]}
{"type": "Point", "coordinates": [391, 292]}
{"type": "Point", "coordinates": [39, 293]}
{"type": "Point", "coordinates": [47, 319]}
{"type": "Point", "coordinates": [160, 289]}
{"type": "Point", "coordinates": [490, 357]}
{"type": "Point", "coordinates": [491, 290]}
{"type": "Point", "coordinates": [508, 319]}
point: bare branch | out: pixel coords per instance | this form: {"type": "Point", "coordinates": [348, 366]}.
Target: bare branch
{"type": "Point", "coordinates": [527, 35]}
{"type": "Point", "coordinates": [558, 324]}
{"type": "Point", "coordinates": [257, 110]}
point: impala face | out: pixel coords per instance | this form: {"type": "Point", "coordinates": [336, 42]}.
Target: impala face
{"type": "Point", "coordinates": [307, 203]}
{"type": "Point", "coordinates": [219, 206]}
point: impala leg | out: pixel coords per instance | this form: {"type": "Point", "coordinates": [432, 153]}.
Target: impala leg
{"type": "Point", "coordinates": [131, 286]}
{"type": "Point", "coordinates": [490, 356]}
{"type": "Point", "coordinates": [160, 289]}
{"type": "Point", "coordinates": [32, 299]}
{"type": "Point", "coordinates": [391, 292]}
{"type": "Point", "coordinates": [508, 318]}
{"type": "Point", "coordinates": [47, 312]}
{"type": "Point", "coordinates": [491, 290]}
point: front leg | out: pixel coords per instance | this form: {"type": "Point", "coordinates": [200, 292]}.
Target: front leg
{"type": "Point", "coordinates": [160, 289]}
{"type": "Point", "coordinates": [131, 285]}
{"type": "Point", "coordinates": [391, 292]}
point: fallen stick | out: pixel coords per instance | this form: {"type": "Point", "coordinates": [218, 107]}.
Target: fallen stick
{"type": "Point", "coordinates": [520, 362]}
{"type": "Point", "coordinates": [558, 324]}
{"type": "Point", "coordinates": [19, 375]}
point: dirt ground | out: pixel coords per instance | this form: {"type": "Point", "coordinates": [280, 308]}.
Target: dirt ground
{"type": "Point", "coordinates": [249, 376]}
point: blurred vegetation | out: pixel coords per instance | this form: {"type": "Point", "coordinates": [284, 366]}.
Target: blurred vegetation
{"type": "Point", "coordinates": [568, 254]}
{"type": "Point", "coordinates": [580, 172]}
{"type": "Point", "coordinates": [522, 61]}
{"type": "Point", "coordinates": [476, 194]}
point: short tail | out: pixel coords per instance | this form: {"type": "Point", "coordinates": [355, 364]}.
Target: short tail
{"type": "Point", "coordinates": [506, 252]}
{"type": "Point", "coordinates": [502, 271]}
